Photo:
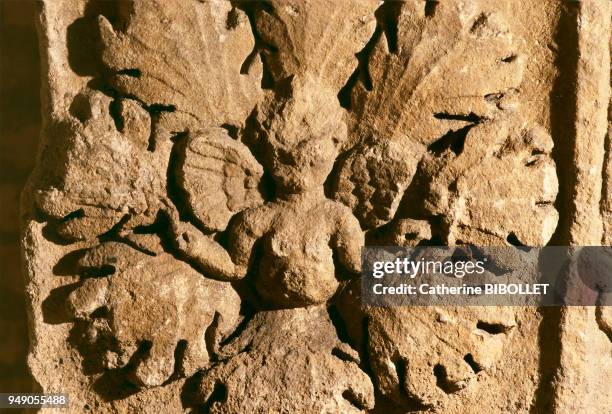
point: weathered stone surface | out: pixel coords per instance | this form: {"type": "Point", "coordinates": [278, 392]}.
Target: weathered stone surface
{"type": "Point", "coordinates": [425, 354]}
{"type": "Point", "coordinates": [315, 38]}
{"type": "Point", "coordinates": [219, 176]}
{"type": "Point", "coordinates": [372, 179]}
{"type": "Point", "coordinates": [287, 361]}
{"type": "Point", "coordinates": [219, 159]}
{"type": "Point", "coordinates": [95, 171]}
{"type": "Point", "coordinates": [510, 163]}
{"type": "Point", "coordinates": [197, 65]}
{"type": "Point", "coordinates": [152, 300]}
{"type": "Point", "coordinates": [296, 264]}
{"type": "Point", "coordinates": [301, 132]}
{"type": "Point", "coordinates": [438, 66]}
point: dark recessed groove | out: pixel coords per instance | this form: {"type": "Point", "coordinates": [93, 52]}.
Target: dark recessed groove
{"type": "Point", "coordinates": [469, 359]}
{"type": "Point", "coordinates": [453, 140]}
{"type": "Point", "coordinates": [430, 8]}
{"type": "Point", "coordinates": [492, 328]}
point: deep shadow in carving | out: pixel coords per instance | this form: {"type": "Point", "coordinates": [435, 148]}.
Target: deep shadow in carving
{"type": "Point", "coordinates": [493, 328]}
{"type": "Point", "coordinates": [442, 381]}
{"type": "Point", "coordinates": [471, 117]}
{"type": "Point", "coordinates": [606, 189]}
{"type": "Point", "coordinates": [50, 232]}
{"type": "Point", "coordinates": [54, 306]}
{"type": "Point", "coordinates": [469, 359]}
{"type": "Point", "coordinates": [175, 191]}
{"type": "Point", "coordinates": [430, 7]}
{"type": "Point", "coordinates": [549, 361]}
{"type": "Point", "coordinates": [353, 399]}
{"type": "Point", "coordinates": [115, 384]}
{"type": "Point", "coordinates": [82, 40]}
{"type": "Point", "coordinates": [361, 72]}
{"type": "Point", "coordinates": [453, 140]}
{"type": "Point", "coordinates": [513, 240]}
{"type": "Point", "coordinates": [192, 400]}
{"type": "Point", "coordinates": [339, 324]}
{"type": "Point", "coordinates": [247, 312]}
{"type": "Point", "coordinates": [250, 9]}
{"type": "Point", "coordinates": [387, 15]}
{"type": "Point", "coordinates": [563, 115]}
{"type": "Point", "coordinates": [189, 392]}
{"type": "Point", "coordinates": [67, 265]}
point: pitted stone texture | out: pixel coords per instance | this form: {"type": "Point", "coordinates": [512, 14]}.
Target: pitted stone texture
{"type": "Point", "coordinates": [297, 263]}
{"type": "Point", "coordinates": [155, 300]}
{"type": "Point", "coordinates": [372, 178]}
{"type": "Point", "coordinates": [287, 361]}
{"type": "Point", "coordinates": [317, 38]}
{"type": "Point", "coordinates": [189, 56]}
{"type": "Point", "coordinates": [438, 84]}
{"type": "Point", "coordinates": [426, 354]}
{"type": "Point", "coordinates": [436, 70]}
{"type": "Point", "coordinates": [502, 172]}
{"type": "Point", "coordinates": [95, 171]}
{"type": "Point", "coordinates": [301, 130]}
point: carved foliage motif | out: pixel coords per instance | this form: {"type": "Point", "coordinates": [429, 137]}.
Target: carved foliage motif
{"type": "Point", "coordinates": [317, 38]}
{"type": "Point", "coordinates": [192, 176]}
{"type": "Point", "coordinates": [97, 172]}
{"type": "Point", "coordinates": [458, 183]}
{"type": "Point", "coordinates": [438, 370]}
{"type": "Point", "coordinates": [194, 61]}
{"type": "Point", "coordinates": [434, 71]}
{"type": "Point", "coordinates": [152, 300]}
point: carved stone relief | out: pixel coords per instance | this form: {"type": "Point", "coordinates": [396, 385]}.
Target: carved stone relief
{"type": "Point", "coordinates": [192, 232]}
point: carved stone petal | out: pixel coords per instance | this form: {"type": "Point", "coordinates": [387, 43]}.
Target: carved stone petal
{"type": "Point", "coordinates": [220, 177]}
{"type": "Point", "coordinates": [315, 37]}
{"type": "Point", "coordinates": [97, 171]}
{"type": "Point", "coordinates": [431, 72]}
{"type": "Point", "coordinates": [425, 354]}
{"type": "Point", "coordinates": [154, 299]}
{"type": "Point", "coordinates": [191, 56]}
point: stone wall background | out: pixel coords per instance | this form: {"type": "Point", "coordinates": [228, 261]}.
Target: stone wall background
{"type": "Point", "coordinates": [19, 130]}
{"type": "Point", "coordinates": [551, 98]}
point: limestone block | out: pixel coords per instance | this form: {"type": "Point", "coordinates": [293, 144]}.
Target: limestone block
{"type": "Point", "coordinates": [209, 172]}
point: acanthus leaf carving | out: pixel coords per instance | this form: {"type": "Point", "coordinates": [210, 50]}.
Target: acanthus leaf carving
{"type": "Point", "coordinates": [315, 38]}
{"type": "Point", "coordinates": [439, 114]}
{"type": "Point", "coordinates": [155, 301]}
{"type": "Point", "coordinates": [98, 172]}
{"type": "Point", "coordinates": [479, 192]}
{"type": "Point", "coordinates": [427, 354]}
{"type": "Point", "coordinates": [441, 74]}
